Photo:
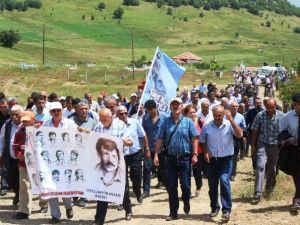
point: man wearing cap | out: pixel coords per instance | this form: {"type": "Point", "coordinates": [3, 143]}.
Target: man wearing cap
{"type": "Point", "coordinates": [291, 123]}
{"type": "Point", "coordinates": [58, 121]}
{"type": "Point", "coordinates": [181, 153]}
{"type": "Point", "coordinates": [132, 105]}
{"type": "Point", "coordinates": [25, 196]}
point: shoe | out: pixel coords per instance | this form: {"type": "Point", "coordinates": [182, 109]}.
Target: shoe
{"type": "Point", "coordinates": [159, 184]}
{"type": "Point", "coordinates": [69, 213]}
{"type": "Point", "coordinates": [214, 213]}
{"type": "Point", "coordinates": [3, 192]}
{"type": "Point", "coordinates": [43, 210]}
{"type": "Point", "coordinates": [120, 207]}
{"type": "Point", "coordinates": [145, 195]}
{"type": "Point", "coordinates": [97, 223]}
{"type": "Point", "coordinates": [128, 216]}
{"type": "Point", "coordinates": [226, 216]}
{"type": "Point", "coordinates": [54, 220]}
{"type": "Point", "coordinates": [16, 200]}
{"type": "Point", "coordinates": [82, 203]}
{"type": "Point", "coordinates": [140, 200]}
{"type": "Point", "coordinates": [171, 218]}
{"type": "Point", "coordinates": [197, 192]}
{"type": "Point", "coordinates": [186, 208]}
{"type": "Point", "coordinates": [21, 216]}
{"type": "Point", "coordinates": [295, 206]}
{"type": "Point", "coordinates": [256, 199]}
{"type": "Point", "coordinates": [232, 178]}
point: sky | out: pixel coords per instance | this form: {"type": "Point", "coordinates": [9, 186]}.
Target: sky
{"type": "Point", "coordinates": [295, 2]}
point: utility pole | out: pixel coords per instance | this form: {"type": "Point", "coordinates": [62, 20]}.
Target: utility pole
{"type": "Point", "coordinates": [44, 45]}
{"type": "Point", "coordinates": [132, 49]}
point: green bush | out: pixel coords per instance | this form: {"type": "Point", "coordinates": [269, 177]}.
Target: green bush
{"type": "Point", "coordinates": [297, 30]}
{"type": "Point", "coordinates": [118, 13]}
{"type": "Point", "coordinates": [101, 6]}
{"type": "Point", "coordinates": [9, 38]}
{"type": "Point", "coordinates": [170, 11]}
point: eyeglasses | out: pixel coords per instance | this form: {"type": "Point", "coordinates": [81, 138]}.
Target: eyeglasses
{"type": "Point", "coordinates": [3, 107]}
{"type": "Point", "coordinates": [122, 114]}
{"type": "Point", "coordinates": [55, 110]}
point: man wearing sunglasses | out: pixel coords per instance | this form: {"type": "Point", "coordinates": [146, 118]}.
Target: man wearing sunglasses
{"type": "Point", "coordinates": [133, 154]}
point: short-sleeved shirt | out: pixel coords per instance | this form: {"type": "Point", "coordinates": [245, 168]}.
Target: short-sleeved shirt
{"type": "Point", "coordinates": [88, 122]}
{"type": "Point", "coordinates": [268, 127]}
{"type": "Point", "coordinates": [218, 140]}
{"type": "Point", "coordinates": [151, 128]}
{"type": "Point", "coordinates": [180, 143]}
{"type": "Point", "coordinates": [137, 131]}
{"type": "Point", "coordinates": [64, 123]}
{"type": "Point", "coordinates": [117, 129]}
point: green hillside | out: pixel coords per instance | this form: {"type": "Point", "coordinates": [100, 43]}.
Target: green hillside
{"type": "Point", "coordinates": [228, 35]}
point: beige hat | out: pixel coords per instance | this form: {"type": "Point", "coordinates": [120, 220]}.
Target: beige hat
{"type": "Point", "coordinates": [27, 116]}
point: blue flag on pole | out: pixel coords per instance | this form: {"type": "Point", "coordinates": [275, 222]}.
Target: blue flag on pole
{"type": "Point", "coordinates": [162, 81]}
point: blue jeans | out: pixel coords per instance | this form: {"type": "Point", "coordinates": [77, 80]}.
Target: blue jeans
{"type": "Point", "coordinates": [219, 170]}
{"type": "Point", "coordinates": [178, 168]}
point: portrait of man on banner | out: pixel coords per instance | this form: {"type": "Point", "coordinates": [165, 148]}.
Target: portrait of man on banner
{"type": "Point", "coordinates": [109, 156]}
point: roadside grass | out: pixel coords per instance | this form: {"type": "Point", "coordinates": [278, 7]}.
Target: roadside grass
{"type": "Point", "coordinates": [243, 187]}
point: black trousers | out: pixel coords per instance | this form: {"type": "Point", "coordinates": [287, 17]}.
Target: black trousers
{"type": "Point", "coordinates": [296, 179]}
{"type": "Point", "coordinates": [134, 170]}
{"type": "Point", "coordinates": [13, 176]}
{"type": "Point", "coordinates": [101, 209]}
{"type": "Point", "coordinates": [197, 170]}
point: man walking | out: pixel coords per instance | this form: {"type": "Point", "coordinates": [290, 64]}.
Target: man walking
{"type": "Point", "coordinates": [117, 128]}
{"type": "Point", "coordinates": [265, 129]}
{"type": "Point", "coordinates": [181, 153]}
{"type": "Point", "coordinates": [217, 142]}
{"type": "Point", "coordinates": [133, 154]}
{"type": "Point", "coordinates": [291, 123]}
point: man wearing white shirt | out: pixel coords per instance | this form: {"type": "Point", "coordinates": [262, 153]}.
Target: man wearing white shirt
{"type": "Point", "coordinates": [58, 121]}
{"type": "Point", "coordinates": [205, 113]}
{"type": "Point", "coordinates": [212, 100]}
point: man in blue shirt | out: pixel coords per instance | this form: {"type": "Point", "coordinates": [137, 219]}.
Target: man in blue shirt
{"type": "Point", "coordinates": [181, 152]}
{"type": "Point", "coordinates": [217, 142]}
{"type": "Point", "coordinates": [133, 154]}
{"type": "Point", "coordinates": [152, 121]}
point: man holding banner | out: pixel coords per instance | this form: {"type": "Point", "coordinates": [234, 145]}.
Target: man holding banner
{"type": "Point", "coordinates": [58, 121]}
{"type": "Point", "coordinates": [117, 128]}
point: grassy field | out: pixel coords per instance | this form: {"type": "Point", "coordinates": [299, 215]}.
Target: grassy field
{"type": "Point", "coordinates": [105, 41]}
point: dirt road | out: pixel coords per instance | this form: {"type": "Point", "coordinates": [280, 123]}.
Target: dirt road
{"type": "Point", "coordinates": [155, 208]}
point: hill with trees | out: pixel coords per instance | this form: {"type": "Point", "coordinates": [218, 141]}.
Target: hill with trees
{"type": "Point", "coordinates": [103, 32]}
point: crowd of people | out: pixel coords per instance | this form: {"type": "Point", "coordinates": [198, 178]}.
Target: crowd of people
{"type": "Point", "coordinates": [205, 134]}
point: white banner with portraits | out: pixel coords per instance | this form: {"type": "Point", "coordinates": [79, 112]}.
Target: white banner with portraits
{"type": "Point", "coordinates": [68, 163]}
